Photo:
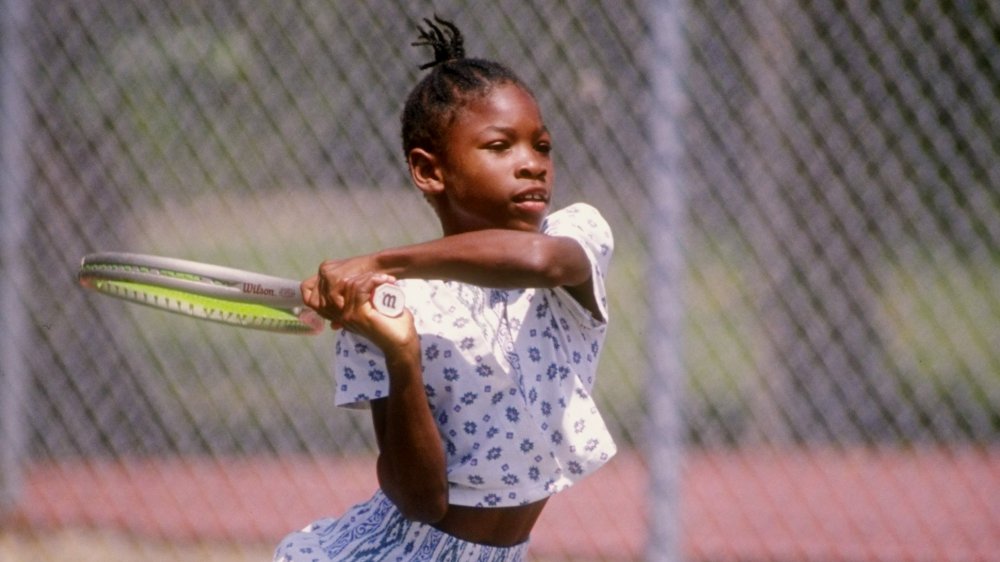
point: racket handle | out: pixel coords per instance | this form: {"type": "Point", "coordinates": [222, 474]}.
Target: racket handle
{"type": "Point", "coordinates": [388, 299]}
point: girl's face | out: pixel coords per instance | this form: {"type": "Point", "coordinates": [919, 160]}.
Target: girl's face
{"type": "Point", "coordinates": [496, 167]}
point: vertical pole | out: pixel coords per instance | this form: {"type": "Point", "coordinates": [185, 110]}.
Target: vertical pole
{"type": "Point", "coordinates": [14, 177]}
{"type": "Point", "coordinates": [664, 431]}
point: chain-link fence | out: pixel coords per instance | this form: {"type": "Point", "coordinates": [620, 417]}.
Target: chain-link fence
{"type": "Point", "coordinates": [815, 181]}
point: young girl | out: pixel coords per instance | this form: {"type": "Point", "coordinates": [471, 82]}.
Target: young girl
{"type": "Point", "coordinates": [480, 391]}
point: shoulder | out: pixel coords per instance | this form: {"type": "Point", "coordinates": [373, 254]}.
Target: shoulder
{"type": "Point", "coordinates": [585, 224]}
{"type": "Point", "coordinates": [576, 212]}
{"type": "Point", "coordinates": [581, 220]}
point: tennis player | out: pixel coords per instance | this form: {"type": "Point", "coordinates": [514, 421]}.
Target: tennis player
{"type": "Point", "coordinates": [480, 393]}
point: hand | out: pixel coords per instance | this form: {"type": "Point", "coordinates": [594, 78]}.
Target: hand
{"type": "Point", "coordinates": [360, 316]}
{"type": "Point", "coordinates": [347, 304]}
{"type": "Point", "coordinates": [324, 292]}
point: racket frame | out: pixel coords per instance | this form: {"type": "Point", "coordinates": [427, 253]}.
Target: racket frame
{"type": "Point", "coordinates": [127, 275]}
{"type": "Point", "coordinates": [199, 278]}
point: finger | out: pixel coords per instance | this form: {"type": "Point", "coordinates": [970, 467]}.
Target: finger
{"type": "Point", "coordinates": [329, 269]}
{"type": "Point", "coordinates": [308, 288]}
{"type": "Point", "coordinates": [325, 275]}
{"type": "Point", "coordinates": [348, 293]}
{"type": "Point", "coordinates": [368, 285]}
{"type": "Point", "coordinates": [381, 278]}
{"type": "Point", "coordinates": [322, 281]}
{"type": "Point", "coordinates": [357, 291]}
{"type": "Point", "coordinates": [329, 293]}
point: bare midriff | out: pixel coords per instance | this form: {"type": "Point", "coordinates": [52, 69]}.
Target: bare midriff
{"type": "Point", "coordinates": [494, 526]}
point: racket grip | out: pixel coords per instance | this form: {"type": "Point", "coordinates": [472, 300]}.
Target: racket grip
{"type": "Point", "coordinates": [388, 299]}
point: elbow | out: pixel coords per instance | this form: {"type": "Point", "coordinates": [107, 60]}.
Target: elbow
{"type": "Point", "coordinates": [427, 506]}
{"type": "Point", "coordinates": [424, 499]}
{"type": "Point", "coordinates": [557, 262]}
{"type": "Point", "coordinates": [428, 511]}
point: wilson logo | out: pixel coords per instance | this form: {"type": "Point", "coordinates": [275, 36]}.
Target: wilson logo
{"type": "Point", "coordinates": [389, 300]}
{"type": "Point", "coordinates": [257, 289]}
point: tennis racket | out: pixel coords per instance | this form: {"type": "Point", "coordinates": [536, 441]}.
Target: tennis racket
{"type": "Point", "coordinates": [215, 293]}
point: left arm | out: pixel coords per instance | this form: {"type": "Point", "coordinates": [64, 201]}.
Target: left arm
{"type": "Point", "coordinates": [491, 258]}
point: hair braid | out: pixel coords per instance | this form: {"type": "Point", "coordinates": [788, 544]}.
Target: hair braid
{"type": "Point", "coordinates": [452, 82]}
{"type": "Point", "coordinates": [448, 43]}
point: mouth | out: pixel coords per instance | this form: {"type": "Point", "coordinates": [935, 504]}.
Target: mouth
{"type": "Point", "coordinates": [530, 206]}
{"type": "Point", "coordinates": [532, 196]}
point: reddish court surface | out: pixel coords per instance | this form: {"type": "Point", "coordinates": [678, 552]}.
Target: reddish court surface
{"type": "Point", "coordinates": [762, 505]}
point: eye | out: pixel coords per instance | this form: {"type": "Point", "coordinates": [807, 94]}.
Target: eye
{"type": "Point", "coordinates": [543, 146]}
{"type": "Point", "coordinates": [497, 146]}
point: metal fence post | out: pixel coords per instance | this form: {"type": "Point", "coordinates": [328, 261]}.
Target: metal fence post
{"type": "Point", "coordinates": [665, 228]}
{"type": "Point", "coordinates": [13, 222]}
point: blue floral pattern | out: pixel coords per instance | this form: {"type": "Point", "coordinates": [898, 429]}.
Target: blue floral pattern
{"type": "Point", "coordinates": [508, 374]}
{"type": "Point", "coordinates": [376, 531]}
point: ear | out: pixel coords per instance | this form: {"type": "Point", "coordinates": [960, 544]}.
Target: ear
{"type": "Point", "coordinates": [425, 171]}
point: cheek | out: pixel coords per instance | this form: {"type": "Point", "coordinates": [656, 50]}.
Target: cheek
{"type": "Point", "coordinates": [484, 175]}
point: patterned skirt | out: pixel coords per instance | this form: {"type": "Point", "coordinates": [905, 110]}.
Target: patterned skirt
{"type": "Point", "coordinates": [376, 531]}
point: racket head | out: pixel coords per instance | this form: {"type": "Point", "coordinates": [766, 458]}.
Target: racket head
{"type": "Point", "coordinates": [218, 294]}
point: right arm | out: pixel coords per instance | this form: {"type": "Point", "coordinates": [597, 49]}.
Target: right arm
{"type": "Point", "coordinates": [411, 466]}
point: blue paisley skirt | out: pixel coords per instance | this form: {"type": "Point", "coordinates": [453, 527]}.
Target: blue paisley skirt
{"type": "Point", "coordinates": [376, 531]}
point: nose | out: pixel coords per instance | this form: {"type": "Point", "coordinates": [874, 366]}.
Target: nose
{"type": "Point", "coordinates": [533, 165]}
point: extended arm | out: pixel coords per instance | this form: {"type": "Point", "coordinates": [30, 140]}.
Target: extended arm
{"type": "Point", "coordinates": [489, 258]}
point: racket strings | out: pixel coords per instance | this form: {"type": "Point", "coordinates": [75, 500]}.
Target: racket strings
{"type": "Point", "coordinates": [209, 292]}
{"type": "Point", "coordinates": [104, 268]}
{"type": "Point", "coordinates": [245, 315]}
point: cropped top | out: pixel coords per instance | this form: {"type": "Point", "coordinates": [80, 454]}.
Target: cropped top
{"type": "Point", "coordinates": [508, 376]}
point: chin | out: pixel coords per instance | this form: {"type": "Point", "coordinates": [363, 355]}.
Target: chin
{"type": "Point", "coordinates": [526, 226]}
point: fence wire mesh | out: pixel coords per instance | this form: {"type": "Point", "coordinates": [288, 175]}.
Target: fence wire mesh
{"type": "Point", "coordinates": [841, 267]}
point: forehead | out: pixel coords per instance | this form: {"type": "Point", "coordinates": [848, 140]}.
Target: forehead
{"type": "Point", "coordinates": [506, 105]}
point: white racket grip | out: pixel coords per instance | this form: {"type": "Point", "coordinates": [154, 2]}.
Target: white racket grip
{"type": "Point", "coordinates": [389, 300]}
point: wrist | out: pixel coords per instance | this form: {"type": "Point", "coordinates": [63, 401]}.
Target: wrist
{"type": "Point", "coordinates": [404, 356]}
{"type": "Point", "coordinates": [391, 261]}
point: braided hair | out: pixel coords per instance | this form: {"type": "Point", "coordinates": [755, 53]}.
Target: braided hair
{"type": "Point", "coordinates": [452, 82]}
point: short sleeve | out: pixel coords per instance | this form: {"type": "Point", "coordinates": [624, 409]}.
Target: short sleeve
{"type": "Point", "coordinates": [585, 224]}
{"type": "Point", "coordinates": [360, 371]}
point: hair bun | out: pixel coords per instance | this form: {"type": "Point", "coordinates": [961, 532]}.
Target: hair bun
{"type": "Point", "coordinates": [446, 40]}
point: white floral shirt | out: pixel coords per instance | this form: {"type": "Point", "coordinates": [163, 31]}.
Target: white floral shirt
{"type": "Point", "coordinates": [508, 375]}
